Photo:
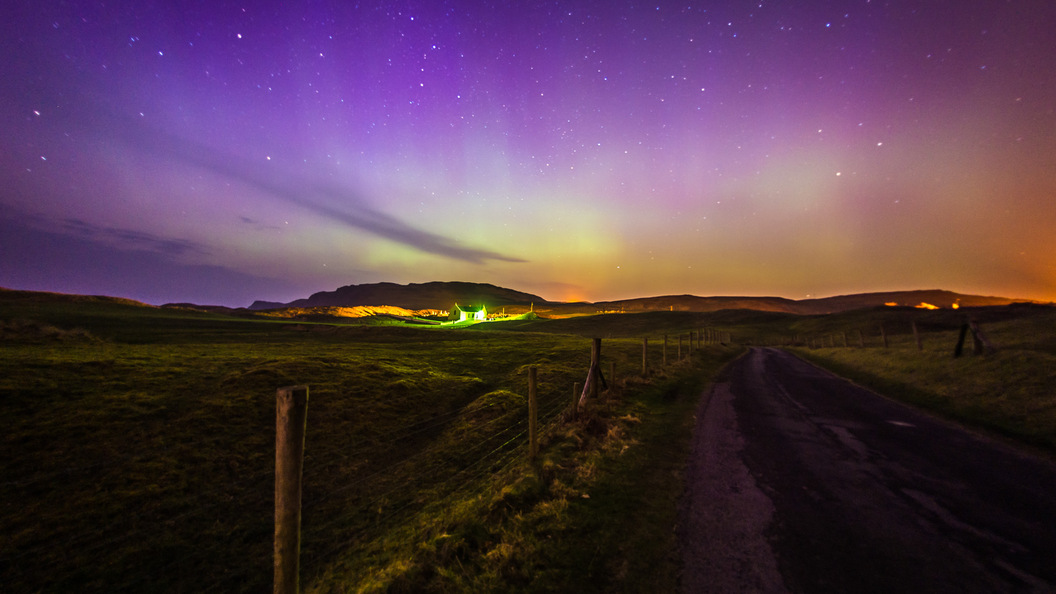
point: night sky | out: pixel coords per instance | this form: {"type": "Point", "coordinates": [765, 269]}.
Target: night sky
{"type": "Point", "coordinates": [220, 152]}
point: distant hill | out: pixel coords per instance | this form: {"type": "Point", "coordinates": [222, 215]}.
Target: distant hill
{"type": "Point", "coordinates": [442, 295]}
{"type": "Point", "coordinates": [935, 297]}
{"type": "Point", "coordinates": [47, 297]}
{"type": "Point", "coordinates": [433, 295]}
{"type": "Point", "coordinates": [824, 305]}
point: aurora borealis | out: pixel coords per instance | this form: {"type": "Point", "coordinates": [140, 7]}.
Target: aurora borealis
{"type": "Point", "coordinates": [219, 152]}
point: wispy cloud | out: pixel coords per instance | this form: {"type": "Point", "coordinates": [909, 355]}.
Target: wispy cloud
{"type": "Point", "coordinates": [336, 203]}
{"type": "Point", "coordinates": [341, 204]}
{"type": "Point", "coordinates": [132, 239]}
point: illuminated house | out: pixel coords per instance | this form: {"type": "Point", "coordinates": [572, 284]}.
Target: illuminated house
{"type": "Point", "coordinates": [465, 313]}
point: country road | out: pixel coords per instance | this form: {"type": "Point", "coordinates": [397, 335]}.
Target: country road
{"type": "Point", "coordinates": [800, 481]}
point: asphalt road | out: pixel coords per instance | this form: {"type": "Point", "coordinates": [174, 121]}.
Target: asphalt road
{"type": "Point", "coordinates": [803, 482]}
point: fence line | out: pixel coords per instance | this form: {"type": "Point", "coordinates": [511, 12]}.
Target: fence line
{"type": "Point", "coordinates": [503, 450]}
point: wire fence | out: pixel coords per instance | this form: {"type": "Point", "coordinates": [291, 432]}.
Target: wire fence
{"type": "Point", "coordinates": [355, 489]}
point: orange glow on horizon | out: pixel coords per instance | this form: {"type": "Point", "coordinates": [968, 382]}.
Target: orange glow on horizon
{"type": "Point", "coordinates": [926, 306]}
{"type": "Point", "coordinates": [891, 304]}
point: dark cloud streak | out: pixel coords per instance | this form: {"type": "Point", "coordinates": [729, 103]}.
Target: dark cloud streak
{"type": "Point", "coordinates": [94, 118]}
{"type": "Point", "coordinates": [131, 239]}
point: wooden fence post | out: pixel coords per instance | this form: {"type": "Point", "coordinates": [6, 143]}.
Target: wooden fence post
{"type": "Point", "coordinates": [845, 339]}
{"type": "Point", "coordinates": [291, 417]}
{"type": "Point", "coordinates": [664, 360]}
{"type": "Point", "coordinates": [981, 344]}
{"type": "Point", "coordinates": [861, 339]}
{"type": "Point", "coordinates": [533, 437]}
{"type": "Point", "coordinates": [883, 335]}
{"type": "Point", "coordinates": [916, 336]}
{"type": "Point", "coordinates": [575, 399]}
{"type": "Point", "coordinates": [959, 349]}
{"type": "Point", "coordinates": [645, 356]}
{"type": "Point", "coordinates": [595, 365]}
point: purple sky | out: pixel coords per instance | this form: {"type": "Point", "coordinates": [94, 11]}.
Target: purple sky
{"type": "Point", "coordinates": [219, 153]}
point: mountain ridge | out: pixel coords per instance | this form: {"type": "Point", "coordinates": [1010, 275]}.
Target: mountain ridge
{"type": "Point", "coordinates": [444, 294]}
{"type": "Point", "coordinates": [430, 295]}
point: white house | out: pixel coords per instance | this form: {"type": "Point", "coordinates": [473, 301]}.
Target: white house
{"type": "Point", "coordinates": [468, 313]}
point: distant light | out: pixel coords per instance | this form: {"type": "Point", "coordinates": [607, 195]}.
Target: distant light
{"type": "Point", "coordinates": [239, 35]}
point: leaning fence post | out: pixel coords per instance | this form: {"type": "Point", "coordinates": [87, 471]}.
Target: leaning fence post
{"type": "Point", "coordinates": [981, 345]}
{"type": "Point", "coordinates": [533, 438]}
{"type": "Point", "coordinates": [291, 416]}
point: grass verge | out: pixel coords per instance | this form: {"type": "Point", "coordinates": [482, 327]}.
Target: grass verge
{"type": "Point", "coordinates": [596, 513]}
{"type": "Point", "coordinates": [1010, 393]}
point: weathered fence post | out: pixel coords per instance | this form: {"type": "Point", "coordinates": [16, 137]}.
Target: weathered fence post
{"type": "Point", "coordinates": [845, 345]}
{"type": "Point", "coordinates": [916, 336]}
{"type": "Point", "coordinates": [959, 349]}
{"type": "Point", "coordinates": [575, 399]}
{"type": "Point", "coordinates": [590, 387]}
{"type": "Point", "coordinates": [664, 360]}
{"type": "Point", "coordinates": [981, 345]}
{"type": "Point", "coordinates": [645, 356]}
{"type": "Point", "coordinates": [883, 335]}
{"type": "Point", "coordinates": [595, 365]}
{"type": "Point", "coordinates": [291, 417]}
{"type": "Point", "coordinates": [861, 339]}
{"type": "Point", "coordinates": [533, 437]}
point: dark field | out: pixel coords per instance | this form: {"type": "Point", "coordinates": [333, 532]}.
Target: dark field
{"type": "Point", "coordinates": [138, 451]}
{"type": "Point", "coordinates": [138, 444]}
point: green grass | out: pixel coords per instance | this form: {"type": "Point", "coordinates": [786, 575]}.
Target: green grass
{"type": "Point", "coordinates": [137, 451]}
{"type": "Point", "coordinates": [138, 454]}
{"type": "Point", "coordinates": [595, 514]}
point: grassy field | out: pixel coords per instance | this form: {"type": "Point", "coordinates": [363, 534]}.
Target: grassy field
{"type": "Point", "coordinates": [138, 444]}
{"type": "Point", "coordinates": [138, 451]}
{"type": "Point", "coordinates": [1011, 392]}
